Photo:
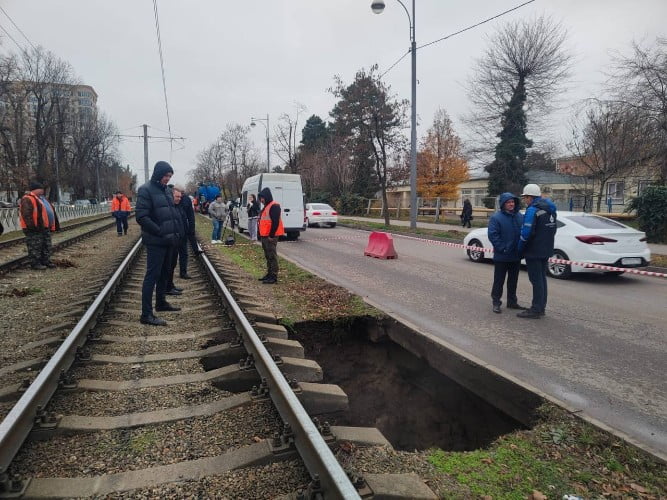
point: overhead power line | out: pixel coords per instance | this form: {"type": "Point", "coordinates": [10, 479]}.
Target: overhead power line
{"type": "Point", "coordinates": [458, 33]}
{"type": "Point", "coordinates": [19, 29]}
{"type": "Point", "coordinates": [164, 82]}
{"type": "Point", "coordinates": [12, 38]}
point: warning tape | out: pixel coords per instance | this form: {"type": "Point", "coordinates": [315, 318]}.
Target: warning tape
{"type": "Point", "coordinates": [490, 250]}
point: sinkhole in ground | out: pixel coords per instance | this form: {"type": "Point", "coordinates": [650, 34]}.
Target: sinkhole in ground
{"type": "Point", "coordinates": [412, 404]}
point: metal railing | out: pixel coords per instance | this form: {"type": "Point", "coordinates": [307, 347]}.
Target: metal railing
{"type": "Point", "coordinates": [10, 216]}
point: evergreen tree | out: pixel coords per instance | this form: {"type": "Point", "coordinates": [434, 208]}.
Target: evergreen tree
{"type": "Point", "coordinates": [313, 134]}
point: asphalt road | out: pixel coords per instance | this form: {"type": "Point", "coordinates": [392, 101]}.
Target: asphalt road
{"type": "Point", "coordinates": [600, 348]}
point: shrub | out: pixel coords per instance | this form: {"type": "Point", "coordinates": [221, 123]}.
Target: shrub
{"type": "Point", "coordinates": [651, 209]}
{"type": "Point", "coordinates": [351, 204]}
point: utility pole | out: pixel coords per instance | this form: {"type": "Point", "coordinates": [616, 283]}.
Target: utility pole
{"type": "Point", "coordinates": [145, 153]}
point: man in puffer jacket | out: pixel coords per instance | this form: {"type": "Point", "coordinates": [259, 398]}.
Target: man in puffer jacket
{"type": "Point", "coordinates": [504, 231]}
{"type": "Point", "coordinates": [536, 245]}
{"type": "Point", "coordinates": [160, 225]}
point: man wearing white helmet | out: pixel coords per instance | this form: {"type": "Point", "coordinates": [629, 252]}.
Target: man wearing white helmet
{"type": "Point", "coordinates": [536, 245]}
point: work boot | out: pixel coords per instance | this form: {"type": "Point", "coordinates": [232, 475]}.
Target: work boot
{"type": "Point", "coordinates": [185, 276]}
{"type": "Point", "coordinates": [174, 291]}
{"type": "Point", "coordinates": [263, 277]}
{"type": "Point", "coordinates": [166, 306]}
{"type": "Point", "coordinates": [516, 306]}
{"type": "Point", "coordinates": [496, 308]}
{"type": "Point", "coordinates": [38, 267]}
{"type": "Point", "coordinates": [529, 314]}
{"type": "Point", "coordinates": [49, 264]}
{"type": "Point", "coordinates": [270, 280]}
{"type": "Point", "coordinates": [152, 320]}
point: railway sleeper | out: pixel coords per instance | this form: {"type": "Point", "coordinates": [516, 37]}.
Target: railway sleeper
{"type": "Point", "coordinates": [263, 452]}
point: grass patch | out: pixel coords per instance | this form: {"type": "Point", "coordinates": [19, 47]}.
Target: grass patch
{"type": "Point", "coordinates": [139, 444]}
{"type": "Point", "coordinates": [450, 234]}
{"type": "Point", "coordinates": [561, 455]}
{"type": "Point", "coordinates": [659, 260]}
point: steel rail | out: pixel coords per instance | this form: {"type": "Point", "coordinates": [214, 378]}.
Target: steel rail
{"type": "Point", "coordinates": [25, 259]}
{"type": "Point", "coordinates": [68, 227]}
{"type": "Point", "coordinates": [318, 458]}
{"type": "Point", "coordinates": [18, 423]}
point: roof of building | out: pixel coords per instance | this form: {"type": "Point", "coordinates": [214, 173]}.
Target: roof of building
{"type": "Point", "coordinates": [548, 177]}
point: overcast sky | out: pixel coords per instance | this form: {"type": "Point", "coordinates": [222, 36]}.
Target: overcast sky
{"type": "Point", "coordinates": [228, 60]}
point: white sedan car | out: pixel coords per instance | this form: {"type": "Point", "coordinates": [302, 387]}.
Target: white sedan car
{"type": "Point", "coordinates": [581, 237]}
{"type": "Point", "coordinates": [320, 213]}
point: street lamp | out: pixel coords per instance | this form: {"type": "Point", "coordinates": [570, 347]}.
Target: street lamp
{"type": "Point", "coordinates": [377, 6]}
{"type": "Point", "coordinates": [266, 125]}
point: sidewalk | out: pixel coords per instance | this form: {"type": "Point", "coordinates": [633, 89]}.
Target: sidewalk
{"type": "Point", "coordinates": [656, 248]}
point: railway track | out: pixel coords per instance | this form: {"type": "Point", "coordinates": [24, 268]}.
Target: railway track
{"type": "Point", "coordinates": [13, 255]}
{"type": "Point", "coordinates": [124, 409]}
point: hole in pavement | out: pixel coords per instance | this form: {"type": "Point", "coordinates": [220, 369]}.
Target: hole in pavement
{"type": "Point", "coordinates": [413, 405]}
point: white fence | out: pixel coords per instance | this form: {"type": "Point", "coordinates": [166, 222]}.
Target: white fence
{"type": "Point", "coordinates": [10, 216]}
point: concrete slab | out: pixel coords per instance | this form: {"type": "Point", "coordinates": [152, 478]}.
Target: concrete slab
{"type": "Point", "coordinates": [168, 337]}
{"type": "Point", "coordinates": [261, 315]}
{"type": "Point", "coordinates": [270, 330]}
{"type": "Point", "coordinates": [255, 454]}
{"type": "Point", "coordinates": [363, 436]}
{"type": "Point", "coordinates": [397, 486]}
{"type": "Point", "coordinates": [319, 399]}
{"type": "Point", "coordinates": [74, 423]}
{"type": "Point", "coordinates": [10, 392]}
{"type": "Point", "coordinates": [58, 327]}
{"type": "Point", "coordinates": [216, 350]}
{"type": "Point", "coordinates": [43, 342]}
{"type": "Point", "coordinates": [28, 364]}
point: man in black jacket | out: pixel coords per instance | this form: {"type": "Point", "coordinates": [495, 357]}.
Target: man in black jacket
{"type": "Point", "coordinates": [188, 213]}
{"type": "Point", "coordinates": [160, 224]}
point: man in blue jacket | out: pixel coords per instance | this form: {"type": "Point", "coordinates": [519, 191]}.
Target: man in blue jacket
{"type": "Point", "coordinates": [504, 231]}
{"type": "Point", "coordinates": [536, 245]}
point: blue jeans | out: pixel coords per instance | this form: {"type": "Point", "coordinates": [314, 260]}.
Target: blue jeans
{"type": "Point", "coordinates": [217, 226]}
{"type": "Point", "coordinates": [158, 268]}
{"type": "Point", "coordinates": [537, 274]}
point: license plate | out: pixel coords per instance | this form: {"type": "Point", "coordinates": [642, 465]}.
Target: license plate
{"type": "Point", "coordinates": [631, 261]}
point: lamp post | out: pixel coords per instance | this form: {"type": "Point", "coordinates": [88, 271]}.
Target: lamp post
{"type": "Point", "coordinates": [377, 6]}
{"type": "Point", "coordinates": [253, 123]}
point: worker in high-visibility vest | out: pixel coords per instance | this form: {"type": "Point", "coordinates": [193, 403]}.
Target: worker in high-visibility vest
{"type": "Point", "coordinates": [120, 209]}
{"type": "Point", "coordinates": [38, 219]}
{"type": "Point", "coordinates": [270, 228]}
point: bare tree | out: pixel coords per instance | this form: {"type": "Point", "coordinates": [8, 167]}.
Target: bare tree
{"type": "Point", "coordinates": [609, 141]}
{"type": "Point", "coordinates": [524, 66]}
{"type": "Point", "coordinates": [286, 138]}
{"type": "Point", "coordinates": [639, 81]}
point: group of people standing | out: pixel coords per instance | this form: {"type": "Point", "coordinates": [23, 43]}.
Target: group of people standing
{"type": "Point", "coordinates": [166, 216]}
{"type": "Point", "coordinates": [515, 236]}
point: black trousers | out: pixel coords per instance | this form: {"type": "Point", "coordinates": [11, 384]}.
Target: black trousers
{"type": "Point", "coordinates": [180, 255]}
{"type": "Point", "coordinates": [158, 268]}
{"type": "Point", "coordinates": [500, 270]}
{"type": "Point", "coordinates": [121, 224]}
{"type": "Point", "coordinates": [271, 254]}
{"type": "Point", "coordinates": [537, 274]}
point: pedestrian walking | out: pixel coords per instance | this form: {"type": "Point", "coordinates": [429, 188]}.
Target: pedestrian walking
{"type": "Point", "coordinates": [157, 216]}
{"type": "Point", "coordinates": [270, 228]}
{"type": "Point", "coordinates": [217, 210]}
{"type": "Point", "coordinates": [466, 213]}
{"type": "Point", "coordinates": [536, 245]}
{"type": "Point", "coordinates": [182, 227]}
{"type": "Point", "coordinates": [38, 219]}
{"type": "Point", "coordinates": [120, 209]}
{"type": "Point", "coordinates": [253, 215]}
{"type": "Point", "coordinates": [504, 232]}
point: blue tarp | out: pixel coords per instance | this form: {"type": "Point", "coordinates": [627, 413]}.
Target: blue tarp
{"type": "Point", "coordinates": [209, 192]}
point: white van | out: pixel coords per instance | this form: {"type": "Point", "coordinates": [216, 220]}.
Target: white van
{"type": "Point", "coordinates": [286, 190]}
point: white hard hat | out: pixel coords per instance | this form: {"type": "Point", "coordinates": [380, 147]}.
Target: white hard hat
{"type": "Point", "coordinates": [531, 190]}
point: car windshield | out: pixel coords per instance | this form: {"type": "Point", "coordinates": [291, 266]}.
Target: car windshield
{"type": "Point", "coordinates": [320, 206]}
{"type": "Point", "coordinates": [595, 222]}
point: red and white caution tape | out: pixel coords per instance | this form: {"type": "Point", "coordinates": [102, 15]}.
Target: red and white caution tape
{"type": "Point", "coordinates": [490, 250]}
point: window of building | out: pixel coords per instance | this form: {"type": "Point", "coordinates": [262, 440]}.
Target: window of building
{"type": "Point", "coordinates": [615, 191]}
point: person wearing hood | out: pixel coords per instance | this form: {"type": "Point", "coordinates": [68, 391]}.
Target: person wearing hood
{"type": "Point", "coordinates": [160, 233]}
{"type": "Point", "coordinates": [536, 245]}
{"type": "Point", "coordinates": [504, 231]}
{"type": "Point", "coordinates": [270, 228]}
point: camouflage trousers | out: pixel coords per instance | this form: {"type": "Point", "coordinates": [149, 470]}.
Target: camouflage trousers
{"type": "Point", "coordinates": [39, 246]}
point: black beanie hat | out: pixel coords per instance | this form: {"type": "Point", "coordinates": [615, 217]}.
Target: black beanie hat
{"type": "Point", "coordinates": [35, 185]}
{"type": "Point", "coordinates": [161, 169]}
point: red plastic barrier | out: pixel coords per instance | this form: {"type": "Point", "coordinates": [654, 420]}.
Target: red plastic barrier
{"type": "Point", "coordinates": [380, 246]}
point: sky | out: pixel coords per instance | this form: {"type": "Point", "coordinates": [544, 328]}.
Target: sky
{"type": "Point", "coordinates": [226, 61]}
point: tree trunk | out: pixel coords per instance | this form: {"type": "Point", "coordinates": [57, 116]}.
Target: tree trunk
{"type": "Point", "coordinates": [386, 205]}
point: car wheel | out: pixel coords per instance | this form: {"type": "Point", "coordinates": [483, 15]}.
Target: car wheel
{"type": "Point", "coordinates": [333, 224]}
{"type": "Point", "coordinates": [475, 255]}
{"type": "Point", "coordinates": [292, 235]}
{"type": "Point", "coordinates": [308, 222]}
{"type": "Point", "coordinates": [559, 271]}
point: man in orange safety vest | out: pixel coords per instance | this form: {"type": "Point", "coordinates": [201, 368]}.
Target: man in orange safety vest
{"type": "Point", "coordinates": [38, 219]}
{"type": "Point", "coordinates": [270, 228]}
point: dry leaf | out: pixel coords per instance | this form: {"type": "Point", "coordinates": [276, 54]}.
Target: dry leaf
{"type": "Point", "coordinates": [638, 488]}
{"type": "Point", "coordinates": [537, 495]}
{"type": "Point", "coordinates": [487, 460]}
